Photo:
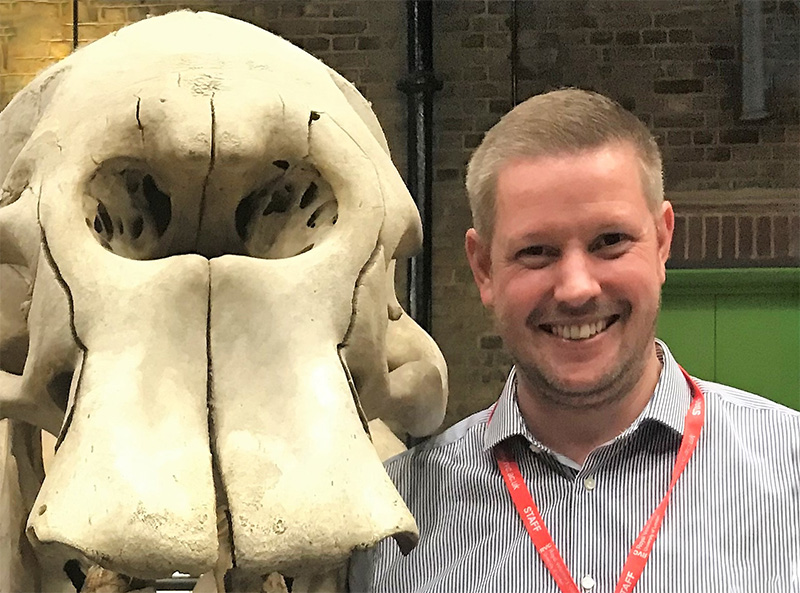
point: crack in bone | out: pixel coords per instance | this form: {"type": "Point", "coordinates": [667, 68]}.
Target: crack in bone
{"type": "Point", "coordinates": [211, 161]}
{"type": "Point", "coordinates": [71, 303]}
{"type": "Point", "coordinates": [138, 117]}
{"type": "Point", "coordinates": [374, 259]}
{"type": "Point", "coordinates": [59, 277]}
{"type": "Point", "coordinates": [219, 483]}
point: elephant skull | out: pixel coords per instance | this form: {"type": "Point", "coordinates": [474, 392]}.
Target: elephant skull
{"type": "Point", "coordinates": [198, 229]}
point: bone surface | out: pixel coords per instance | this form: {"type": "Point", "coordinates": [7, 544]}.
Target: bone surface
{"type": "Point", "coordinates": [199, 301]}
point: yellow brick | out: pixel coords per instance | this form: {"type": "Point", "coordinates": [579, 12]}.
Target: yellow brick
{"type": "Point", "coordinates": [64, 32]}
{"type": "Point", "coordinates": [28, 67]}
{"type": "Point", "coordinates": [8, 9]}
{"type": "Point", "coordinates": [45, 11]}
{"type": "Point", "coordinates": [157, 9]}
{"type": "Point", "coordinates": [112, 15]}
{"type": "Point", "coordinates": [19, 47]}
{"type": "Point", "coordinates": [87, 11]}
{"type": "Point", "coordinates": [137, 13]}
{"type": "Point", "coordinates": [60, 49]}
{"type": "Point", "coordinates": [88, 32]}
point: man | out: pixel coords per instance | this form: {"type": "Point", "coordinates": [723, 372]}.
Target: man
{"type": "Point", "coordinates": [602, 467]}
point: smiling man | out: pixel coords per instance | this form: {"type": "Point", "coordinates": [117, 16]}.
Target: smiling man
{"type": "Point", "coordinates": [603, 466]}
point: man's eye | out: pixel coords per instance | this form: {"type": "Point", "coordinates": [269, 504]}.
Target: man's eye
{"type": "Point", "coordinates": [608, 240]}
{"type": "Point", "coordinates": [536, 256]}
{"type": "Point", "coordinates": [533, 250]}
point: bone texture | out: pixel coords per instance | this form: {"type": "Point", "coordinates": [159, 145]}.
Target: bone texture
{"type": "Point", "coordinates": [198, 300]}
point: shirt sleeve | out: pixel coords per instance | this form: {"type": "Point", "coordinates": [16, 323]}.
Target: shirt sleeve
{"type": "Point", "coordinates": [359, 574]}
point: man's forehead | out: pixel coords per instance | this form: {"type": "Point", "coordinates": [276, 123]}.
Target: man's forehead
{"type": "Point", "coordinates": [611, 149]}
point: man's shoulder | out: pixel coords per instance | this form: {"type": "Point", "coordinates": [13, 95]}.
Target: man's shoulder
{"type": "Point", "coordinates": [750, 415]}
{"type": "Point", "coordinates": [745, 402]}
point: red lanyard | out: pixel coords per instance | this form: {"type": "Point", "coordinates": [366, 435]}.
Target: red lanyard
{"type": "Point", "coordinates": [640, 551]}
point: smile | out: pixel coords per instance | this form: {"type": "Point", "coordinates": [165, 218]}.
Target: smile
{"type": "Point", "coordinates": [580, 332]}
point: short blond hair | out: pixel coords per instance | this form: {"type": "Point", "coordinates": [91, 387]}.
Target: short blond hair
{"type": "Point", "coordinates": [565, 121]}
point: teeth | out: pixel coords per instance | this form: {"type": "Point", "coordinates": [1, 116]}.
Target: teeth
{"type": "Point", "coordinates": [579, 332]}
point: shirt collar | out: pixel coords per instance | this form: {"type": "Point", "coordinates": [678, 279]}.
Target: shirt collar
{"type": "Point", "coordinates": [667, 406]}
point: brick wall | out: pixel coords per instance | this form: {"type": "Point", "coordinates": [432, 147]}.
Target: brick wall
{"type": "Point", "coordinates": [363, 40]}
{"type": "Point", "coordinates": [675, 63]}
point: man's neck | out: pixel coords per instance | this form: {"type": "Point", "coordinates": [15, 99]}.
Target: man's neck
{"type": "Point", "coordinates": [576, 432]}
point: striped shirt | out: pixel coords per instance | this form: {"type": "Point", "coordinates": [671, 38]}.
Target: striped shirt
{"type": "Point", "coordinates": [732, 526]}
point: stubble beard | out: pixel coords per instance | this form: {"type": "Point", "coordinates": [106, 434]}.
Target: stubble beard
{"type": "Point", "coordinates": [612, 387]}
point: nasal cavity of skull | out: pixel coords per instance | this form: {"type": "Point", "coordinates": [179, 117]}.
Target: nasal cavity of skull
{"type": "Point", "coordinates": [58, 388]}
{"type": "Point", "coordinates": [126, 210]}
{"type": "Point", "coordinates": [289, 215]}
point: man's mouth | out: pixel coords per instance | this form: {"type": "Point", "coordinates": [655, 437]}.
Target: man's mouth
{"type": "Point", "coordinates": [582, 331]}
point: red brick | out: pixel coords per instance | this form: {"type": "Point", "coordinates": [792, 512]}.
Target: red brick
{"type": "Point", "coordinates": [702, 137]}
{"type": "Point", "coordinates": [369, 42]}
{"type": "Point", "coordinates": [763, 229]}
{"type": "Point", "coordinates": [767, 135]}
{"type": "Point", "coordinates": [473, 40]}
{"type": "Point", "coordinates": [694, 235]}
{"type": "Point", "coordinates": [485, 24]}
{"type": "Point", "coordinates": [681, 35]}
{"type": "Point", "coordinates": [633, 18]}
{"type": "Point", "coordinates": [315, 9]}
{"type": "Point", "coordinates": [745, 226]}
{"type": "Point", "coordinates": [751, 153]}
{"type": "Point", "coordinates": [772, 170]}
{"type": "Point", "coordinates": [679, 120]}
{"type": "Point", "coordinates": [677, 86]}
{"type": "Point", "coordinates": [786, 152]}
{"type": "Point", "coordinates": [291, 9]}
{"type": "Point", "coordinates": [705, 170]}
{"type": "Point", "coordinates": [315, 44]}
{"type": "Point", "coordinates": [794, 236]}
{"type": "Point", "coordinates": [345, 9]}
{"type": "Point", "coordinates": [728, 238]}
{"type": "Point", "coordinates": [342, 26]}
{"type": "Point", "coordinates": [679, 137]}
{"type": "Point", "coordinates": [633, 53]}
{"type": "Point", "coordinates": [654, 36]}
{"type": "Point", "coordinates": [780, 234]}
{"type": "Point", "coordinates": [712, 243]}
{"type": "Point", "coordinates": [681, 52]}
{"type": "Point", "coordinates": [721, 52]}
{"type": "Point", "coordinates": [718, 153]}
{"type": "Point", "coordinates": [678, 248]}
{"type": "Point", "coordinates": [344, 43]}
{"type": "Point", "coordinates": [601, 37]}
{"type": "Point", "coordinates": [739, 136]}
{"type": "Point", "coordinates": [628, 37]}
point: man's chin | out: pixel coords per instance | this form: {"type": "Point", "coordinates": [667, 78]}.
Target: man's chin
{"type": "Point", "coordinates": [573, 392]}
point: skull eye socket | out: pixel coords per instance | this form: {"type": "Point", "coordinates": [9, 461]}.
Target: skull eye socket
{"type": "Point", "coordinates": [126, 209]}
{"type": "Point", "coordinates": [289, 215]}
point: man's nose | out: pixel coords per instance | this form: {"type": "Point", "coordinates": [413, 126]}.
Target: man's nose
{"type": "Point", "coordinates": [576, 282]}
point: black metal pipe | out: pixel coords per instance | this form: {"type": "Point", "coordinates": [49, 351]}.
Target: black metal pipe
{"type": "Point", "coordinates": [419, 87]}
{"type": "Point", "coordinates": [514, 55]}
{"type": "Point", "coordinates": [74, 25]}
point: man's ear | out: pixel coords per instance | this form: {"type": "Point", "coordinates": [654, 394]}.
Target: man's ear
{"type": "Point", "coordinates": [665, 225]}
{"type": "Point", "coordinates": [480, 261]}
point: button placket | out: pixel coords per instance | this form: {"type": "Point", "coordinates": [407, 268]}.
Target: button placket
{"type": "Point", "coordinates": [587, 582]}
{"type": "Point", "coordinates": [586, 567]}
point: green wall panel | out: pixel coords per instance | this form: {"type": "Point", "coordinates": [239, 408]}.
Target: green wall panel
{"type": "Point", "coordinates": [758, 345]}
{"type": "Point", "coordinates": [686, 324]}
{"type": "Point", "coordinates": [740, 327]}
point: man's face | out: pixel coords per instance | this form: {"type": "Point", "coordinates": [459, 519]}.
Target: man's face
{"type": "Point", "coordinates": [574, 273]}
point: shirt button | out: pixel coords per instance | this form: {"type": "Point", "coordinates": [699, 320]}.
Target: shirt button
{"type": "Point", "coordinates": [587, 582]}
{"type": "Point", "coordinates": [589, 483]}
